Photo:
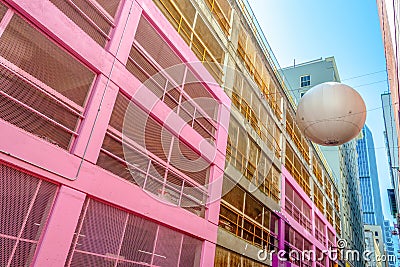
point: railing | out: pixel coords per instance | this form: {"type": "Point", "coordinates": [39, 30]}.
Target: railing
{"type": "Point", "coordinates": [319, 235]}
{"type": "Point", "coordinates": [292, 258]}
{"type": "Point", "coordinates": [264, 45]}
{"type": "Point", "coordinates": [172, 97]}
{"type": "Point", "coordinates": [90, 16]}
{"type": "Point", "coordinates": [187, 32]}
{"type": "Point", "coordinates": [254, 233]}
{"type": "Point", "coordinates": [304, 184]}
{"type": "Point", "coordinates": [329, 214]}
{"type": "Point", "coordinates": [298, 142]}
{"type": "Point", "coordinates": [182, 190]}
{"type": "Point", "coordinates": [318, 201]}
{"type": "Point", "coordinates": [328, 188]}
{"type": "Point", "coordinates": [297, 214]}
{"type": "Point", "coordinates": [336, 202]}
{"type": "Point", "coordinates": [249, 114]}
{"type": "Point", "coordinates": [269, 96]}
{"type": "Point", "coordinates": [221, 18]}
{"type": "Point", "coordinates": [317, 171]}
{"type": "Point", "coordinates": [324, 162]}
{"type": "Point", "coordinates": [249, 170]}
{"type": "Point", "coordinates": [63, 116]}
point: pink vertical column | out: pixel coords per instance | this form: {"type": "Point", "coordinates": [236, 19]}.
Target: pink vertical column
{"type": "Point", "coordinates": [281, 223]}
{"type": "Point", "coordinates": [58, 234]}
{"type": "Point", "coordinates": [215, 190]}
{"type": "Point", "coordinates": [314, 248]}
{"type": "Point", "coordinates": [97, 116]}
{"type": "Point", "coordinates": [216, 181]}
{"type": "Point", "coordinates": [124, 33]}
{"type": "Point", "coordinates": [326, 245]}
{"type": "Point", "coordinates": [208, 254]}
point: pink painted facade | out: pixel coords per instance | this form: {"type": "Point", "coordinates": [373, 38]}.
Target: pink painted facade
{"type": "Point", "coordinates": [68, 71]}
{"type": "Point", "coordinates": [302, 220]}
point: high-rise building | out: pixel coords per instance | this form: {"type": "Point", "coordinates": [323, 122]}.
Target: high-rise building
{"type": "Point", "coordinates": [392, 244]}
{"type": "Point", "coordinates": [369, 181]}
{"type": "Point", "coordinates": [389, 16]}
{"type": "Point", "coordinates": [113, 145]}
{"type": "Point", "coordinates": [342, 160]}
{"type": "Point", "coordinates": [352, 221]}
{"type": "Point", "coordinates": [391, 142]}
{"type": "Point", "coordinates": [375, 245]}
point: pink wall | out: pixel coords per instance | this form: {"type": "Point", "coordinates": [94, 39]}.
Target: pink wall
{"type": "Point", "coordinates": [83, 178]}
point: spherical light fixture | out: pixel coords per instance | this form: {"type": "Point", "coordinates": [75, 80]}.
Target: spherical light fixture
{"type": "Point", "coordinates": [331, 114]}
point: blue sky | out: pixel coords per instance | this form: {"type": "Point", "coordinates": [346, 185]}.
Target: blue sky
{"type": "Point", "coordinates": [349, 31]}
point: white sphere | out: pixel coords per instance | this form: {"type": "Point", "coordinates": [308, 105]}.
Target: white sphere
{"type": "Point", "coordinates": [331, 114]}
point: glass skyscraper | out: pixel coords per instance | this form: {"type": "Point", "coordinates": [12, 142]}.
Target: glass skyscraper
{"type": "Point", "coordinates": [369, 183]}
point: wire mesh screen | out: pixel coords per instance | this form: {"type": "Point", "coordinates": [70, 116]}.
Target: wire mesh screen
{"type": "Point", "coordinates": [156, 64]}
{"type": "Point", "coordinates": [142, 156]}
{"type": "Point", "coordinates": [107, 236]}
{"type": "Point", "coordinates": [43, 89]}
{"type": "Point", "coordinates": [96, 18]}
{"type": "Point", "coordinates": [25, 204]}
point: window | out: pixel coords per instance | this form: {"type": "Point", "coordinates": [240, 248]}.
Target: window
{"type": "Point", "coordinates": [246, 217]}
{"type": "Point", "coordinates": [305, 80]}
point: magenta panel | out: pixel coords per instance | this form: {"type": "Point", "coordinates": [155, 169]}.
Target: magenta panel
{"type": "Point", "coordinates": [25, 205]}
{"type": "Point", "coordinates": [107, 236]}
{"type": "Point", "coordinates": [62, 65]}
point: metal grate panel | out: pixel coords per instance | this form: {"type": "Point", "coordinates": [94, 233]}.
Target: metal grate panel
{"type": "Point", "coordinates": [147, 161]}
{"type": "Point", "coordinates": [107, 236]}
{"type": "Point", "coordinates": [144, 160]}
{"type": "Point", "coordinates": [155, 63]}
{"type": "Point", "coordinates": [42, 88]}
{"type": "Point", "coordinates": [157, 48]}
{"type": "Point", "coordinates": [3, 10]}
{"type": "Point", "coordinates": [24, 208]}
{"type": "Point", "coordinates": [31, 51]}
{"type": "Point", "coordinates": [94, 18]}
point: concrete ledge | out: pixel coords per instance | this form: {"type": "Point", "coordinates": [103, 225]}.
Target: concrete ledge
{"type": "Point", "coordinates": [238, 245]}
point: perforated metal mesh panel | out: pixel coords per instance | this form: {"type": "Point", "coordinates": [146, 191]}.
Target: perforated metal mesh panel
{"type": "Point", "coordinates": [30, 50]}
{"type": "Point", "coordinates": [107, 236]}
{"type": "Point", "coordinates": [96, 18]}
{"type": "Point", "coordinates": [151, 55]}
{"type": "Point", "coordinates": [157, 47]}
{"type": "Point", "coordinates": [146, 160]}
{"type": "Point", "coordinates": [3, 10]}
{"type": "Point", "coordinates": [42, 88]}
{"type": "Point", "coordinates": [25, 204]}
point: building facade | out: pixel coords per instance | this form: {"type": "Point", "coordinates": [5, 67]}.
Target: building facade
{"type": "Point", "coordinates": [369, 181]}
{"type": "Point", "coordinates": [83, 135]}
{"type": "Point", "coordinates": [303, 76]}
{"type": "Point", "coordinates": [120, 148]}
{"type": "Point", "coordinates": [392, 244]}
{"type": "Point", "coordinates": [352, 220]}
{"type": "Point", "coordinates": [342, 160]}
{"type": "Point", "coordinates": [389, 15]}
{"type": "Point", "coordinates": [391, 142]}
{"type": "Point", "coordinates": [375, 245]}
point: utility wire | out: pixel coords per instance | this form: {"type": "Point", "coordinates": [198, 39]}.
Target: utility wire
{"type": "Point", "coordinates": [370, 83]}
{"type": "Point", "coordinates": [363, 75]}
